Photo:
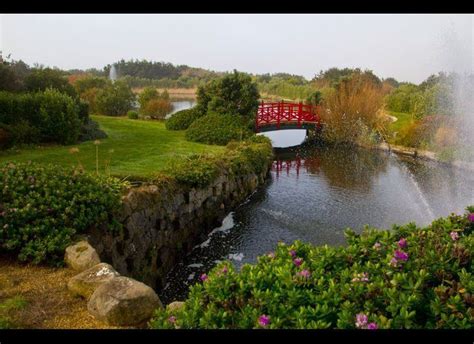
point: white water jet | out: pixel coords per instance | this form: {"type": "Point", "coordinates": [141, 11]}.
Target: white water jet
{"type": "Point", "coordinates": [113, 73]}
{"type": "Point", "coordinates": [457, 60]}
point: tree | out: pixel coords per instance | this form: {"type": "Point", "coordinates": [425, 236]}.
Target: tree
{"type": "Point", "coordinates": [41, 79]}
{"type": "Point", "coordinates": [233, 94]}
{"type": "Point", "coordinates": [154, 104]}
{"type": "Point", "coordinates": [12, 74]}
{"type": "Point", "coordinates": [115, 99]}
{"type": "Point", "coordinates": [315, 98]}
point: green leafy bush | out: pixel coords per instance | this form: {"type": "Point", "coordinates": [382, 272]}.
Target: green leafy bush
{"type": "Point", "coordinates": [43, 206]}
{"type": "Point", "coordinates": [181, 120]}
{"type": "Point", "coordinates": [115, 99]}
{"type": "Point", "coordinates": [91, 131]}
{"type": "Point", "coordinates": [408, 277]}
{"type": "Point", "coordinates": [132, 114]}
{"type": "Point", "coordinates": [49, 116]}
{"type": "Point", "coordinates": [217, 129]}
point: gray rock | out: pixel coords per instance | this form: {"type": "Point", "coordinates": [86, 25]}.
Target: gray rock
{"type": "Point", "coordinates": [81, 256]}
{"type": "Point", "coordinates": [123, 301]}
{"type": "Point", "coordinates": [85, 283]}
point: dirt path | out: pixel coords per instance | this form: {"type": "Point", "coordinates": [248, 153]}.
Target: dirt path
{"type": "Point", "coordinates": [48, 302]}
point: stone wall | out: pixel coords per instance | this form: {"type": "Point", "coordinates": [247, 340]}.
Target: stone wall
{"type": "Point", "coordinates": [163, 223]}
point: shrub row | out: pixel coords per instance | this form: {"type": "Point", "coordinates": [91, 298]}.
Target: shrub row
{"type": "Point", "coordinates": [49, 116]}
{"type": "Point", "coordinates": [408, 277]}
{"type": "Point", "coordinates": [43, 206]}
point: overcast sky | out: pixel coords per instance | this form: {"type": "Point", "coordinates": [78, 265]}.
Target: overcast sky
{"type": "Point", "coordinates": [407, 47]}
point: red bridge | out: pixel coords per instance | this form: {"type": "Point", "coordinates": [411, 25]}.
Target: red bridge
{"type": "Point", "coordinates": [284, 115]}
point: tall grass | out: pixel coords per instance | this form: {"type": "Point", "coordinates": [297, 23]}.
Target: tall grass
{"type": "Point", "coordinates": [352, 112]}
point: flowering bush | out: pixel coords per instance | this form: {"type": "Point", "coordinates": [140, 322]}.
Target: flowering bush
{"type": "Point", "coordinates": [43, 207]}
{"type": "Point", "coordinates": [408, 277]}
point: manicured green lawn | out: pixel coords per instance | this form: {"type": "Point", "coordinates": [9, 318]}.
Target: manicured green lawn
{"type": "Point", "coordinates": [134, 148]}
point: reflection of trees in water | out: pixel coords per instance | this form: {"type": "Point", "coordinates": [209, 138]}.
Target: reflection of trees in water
{"type": "Point", "coordinates": [347, 167]}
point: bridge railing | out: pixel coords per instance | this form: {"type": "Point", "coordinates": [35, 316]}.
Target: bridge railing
{"type": "Point", "coordinates": [276, 113]}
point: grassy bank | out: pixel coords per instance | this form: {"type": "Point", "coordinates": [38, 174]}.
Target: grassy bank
{"type": "Point", "coordinates": [134, 148]}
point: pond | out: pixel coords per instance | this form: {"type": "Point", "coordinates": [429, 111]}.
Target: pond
{"type": "Point", "coordinates": [181, 104]}
{"type": "Point", "coordinates": [314, 194]}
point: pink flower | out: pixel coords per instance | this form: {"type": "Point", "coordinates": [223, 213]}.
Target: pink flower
{"type": "Point", "coordinates": [470, 217]}
{"type": "Point", "coordinates": [298, 261]}
{"type": "Point", "coordinates": [304, 273]}
{"type": "Point", "coordinates": [264, 320]}
{"type": "Point", "coordinates": [203, 277]}
{"type": "Point", "coordinates": [372, 326]}
{"type": "Point", "coordinates": [454, 236]}
{"type": "Point", "coordinates": [172, 319]}
{"type": "Point", "coordinates": [293, 253]}
{"type": "Point", "coordinates": [225, 270]}
{"type": "Point", "coordinates": [402, 243]}
{"type": "Point", "coordinates": [377, 246]}
{"type": "Point", "coordinates": [400, 255]}
{"type": "Point", "coordinates": [361, 320]}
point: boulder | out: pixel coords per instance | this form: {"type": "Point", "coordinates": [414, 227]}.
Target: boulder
{"type": "Point", "coordinates": [85, 283]}
{"type": "Point", "coordinates": [123, 301]}
{"type": "Point", "coordinates": [175, 306]}
{"type": "Point", "coordinates": [81, 256]}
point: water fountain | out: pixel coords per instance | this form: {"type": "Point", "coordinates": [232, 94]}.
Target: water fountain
{"type": "Point", "coordinates": [113, 73]}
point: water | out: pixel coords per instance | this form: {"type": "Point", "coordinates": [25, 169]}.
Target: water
{"type": "Point", "coordinates": [314, 195]}
{"type": "Point", "coordinates": [113, 73]}
{"type": "Point", "coordinates": [179, 105]}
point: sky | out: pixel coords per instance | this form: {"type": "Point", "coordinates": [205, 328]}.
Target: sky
{"type": "Point", "coordinates": [406, 47]}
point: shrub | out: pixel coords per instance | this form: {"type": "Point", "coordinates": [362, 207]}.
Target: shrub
{"type": "Point", "coordinates": [181, 120]}
{"type": "Point", "coordinates": [22, 132]}
{"type": "Point", "coordinates": [115, 99]}
{"type": "Point", "coordinates": [43, 207]}
{"type": "Point", "coordinates": [42, 79]}
{"type": "Point", "coordinates": [406, 278]}
{"type": "Point", "coordinates": [157, 108]}
{"type": "Point", "coordinates": [352, 111]}
{"type": "Point", "coordinates": [55, 115]}
{"type": "Point", "coordinates": [91, 131]}
{"type": "Point", "coordinates": [239, 158]}
{"type": "Point", "coordinates": [60, 120]}
{"type": "Point", "coordinates": [217, 129]}
{"type": "Point", "coordinates": [234, 94]}
{"type": "Point", "coordinates": [132, 114]}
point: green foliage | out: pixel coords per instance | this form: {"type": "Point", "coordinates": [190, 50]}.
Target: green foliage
{"type": "Point", "coordinates": [132, 114]}
{"type": "Point", "coordinates": [154, 104]}
{"type": "Point", "coordinates": [217, 129]}
{"type": "Point", "coordinates": [428, 285]}
{"type": "Point", "coordinates": [115, 99]}
{"type": "Point", "coordinates": [41, 79]}
{"type": "Point", "coordinates": [44, 206]}
{"type": "Point", "coordinates": [49, 116]}
{"type": "Point", "coordinates": [12, 74]}
{"type": "Point", "coordinates": [83, 84]}
{"type": "Point", "coordinates": [239, 158]}
{"type": "Point", "coordinates": [181, 120]}
{"type": "Point", "coordinates": [233, 94]}
{"type": "Point", "coordinates": [91, 131]}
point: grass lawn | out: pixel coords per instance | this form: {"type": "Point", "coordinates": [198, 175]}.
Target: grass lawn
{"type": "Point", "coordinates": [403, 119]}
{"type": "Point", "coordinates": [134, 148]}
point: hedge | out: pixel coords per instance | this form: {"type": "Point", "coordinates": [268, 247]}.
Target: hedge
{"type": "Point", "coordinates": [49, 116]}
